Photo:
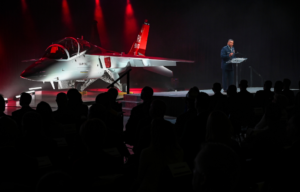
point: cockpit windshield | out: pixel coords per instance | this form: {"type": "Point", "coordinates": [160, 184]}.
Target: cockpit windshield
{"type": "Point", "coordinates": [70, 44]}
{"type": "Point", "coordinates": [55, 52]}
{"type": "Point", "coordinates": [84, 45]}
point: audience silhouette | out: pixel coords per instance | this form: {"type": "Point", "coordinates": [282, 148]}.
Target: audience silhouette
{"type": "Point", "coordinates": [25, 100]}
{"type": "Point", "coordinates": [2, 106]}
{"type": "Point", "coordinates": [287, 92]}
{"type": "Point", "coordinates": [62, 103]}
{"type": "Point", "coordinates": [217, 168]}
{"type": "Point", "coordinates": [233, 141]}
{"type": "Point", "coordinates": [137, 113]}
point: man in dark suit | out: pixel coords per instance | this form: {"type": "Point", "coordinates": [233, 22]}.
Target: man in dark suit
{"type": "Point", "coordinates": [227, 53]}
{"type": "Point", "coordinates": [17, 115]}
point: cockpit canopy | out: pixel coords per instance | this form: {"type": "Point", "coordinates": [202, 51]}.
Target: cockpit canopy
{"type": "Point", "coordinates": [56, 52]}
{"type": "Point", "coordinates": [66, 48]}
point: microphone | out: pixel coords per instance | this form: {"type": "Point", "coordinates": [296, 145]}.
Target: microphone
{"type": "Point", "coordinates": [239, 53]}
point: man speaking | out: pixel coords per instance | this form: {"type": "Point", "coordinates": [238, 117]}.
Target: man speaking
{"type": "Point", "coordinates": [227, 53]}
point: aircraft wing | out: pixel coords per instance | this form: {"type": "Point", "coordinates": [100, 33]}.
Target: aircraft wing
{"type": "Point", "coordinates": [145, 61]}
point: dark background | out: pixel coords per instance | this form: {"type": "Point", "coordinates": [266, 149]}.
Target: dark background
{"type": "Point", "coordinates": [266, 32]}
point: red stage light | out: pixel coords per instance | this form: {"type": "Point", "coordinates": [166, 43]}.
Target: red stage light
{"type": "Point", "coordinates": [98, 16]}
{"type": "Point", "coordinates": [131, 28]}
{"type": "Point", "coordinates": [24, 5]}
{"type": "Point", "coordinates": [67, 15]}
{"type": "Point", "coordinates": [29, 27]}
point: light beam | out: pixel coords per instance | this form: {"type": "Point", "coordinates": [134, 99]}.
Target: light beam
{"type": "Point", "coordinates": [67, 19]}
{"type": "Point", "coordinates": [98, 16]}
{"type": "Point", "coordinates": [131, 28]}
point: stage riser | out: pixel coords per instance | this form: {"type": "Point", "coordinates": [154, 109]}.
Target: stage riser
{"type": "Point", "coordinates": [130, 104]}
{"type": "Point", "coordinates": [132, 98]}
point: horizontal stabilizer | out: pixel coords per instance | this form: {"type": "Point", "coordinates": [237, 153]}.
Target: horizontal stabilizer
{"type": "Point", "coordinates": [160, 70]}
{"type": "Point", "coordinates": [151, 63]}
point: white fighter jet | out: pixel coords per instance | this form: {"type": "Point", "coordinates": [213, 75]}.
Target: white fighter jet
{"type": "Point", "coordinates": [76, 63]}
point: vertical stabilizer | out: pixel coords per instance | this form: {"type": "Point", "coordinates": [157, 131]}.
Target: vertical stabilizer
{"type": "Point", "coordinates": [139, 46]}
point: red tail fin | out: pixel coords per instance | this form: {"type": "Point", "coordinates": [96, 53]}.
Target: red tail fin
{"type": "Point", "coordinates": [139, 46]}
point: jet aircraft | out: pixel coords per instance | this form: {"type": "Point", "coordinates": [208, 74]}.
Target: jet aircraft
{"type": "Point", "coordinates": [76, 63]}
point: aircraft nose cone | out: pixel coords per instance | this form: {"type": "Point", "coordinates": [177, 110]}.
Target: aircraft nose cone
{"type": "Point", "coordinates": [26, 74]}
{"type": "Point", "coordinates": [29, 74]}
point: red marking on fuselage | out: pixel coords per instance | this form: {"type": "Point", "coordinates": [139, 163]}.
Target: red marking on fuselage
{"type": "Point", "coordinates": [107, 62]}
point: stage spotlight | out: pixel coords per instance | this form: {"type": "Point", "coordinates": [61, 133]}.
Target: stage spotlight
{"type": "Point", "coordinates": [131, 28]}
{"type": "Point", "coordinates": [67, 19]}
{"type": "Point", "coordinates": [24, 5]}
{"type": "Point", "coordinates": [101, 28]}
{"type": "Point", "coordinates": [35, 88]}
{"type": "Point", "coordinates": [28, 22]}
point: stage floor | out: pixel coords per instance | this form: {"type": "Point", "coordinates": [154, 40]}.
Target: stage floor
{"type": "Point", "coordinates": [49, 96]}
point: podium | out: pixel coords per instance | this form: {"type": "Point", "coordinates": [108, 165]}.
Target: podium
{"type": "Point", "coordinates": [236, 61]}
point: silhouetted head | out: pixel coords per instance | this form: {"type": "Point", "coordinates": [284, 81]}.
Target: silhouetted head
{"type": "Point", "coordinates": [2, 103]}
{"type": "Point", "coordinates": [93, 133]}
{"type": "Point", "coordinates": [202, 102]}
{"type": "Point", "coordinates": [55, 181]}
{"type": "Point", "coordinates": [25, 99]}
{"type": "Point", "coordinates": [278, 87]}
{"type": "Point", "coordinates": [74, 96]}
{"type": "Point", "coordinates": [191, 97]}
{"type": "Point", "coordinates": [32, 123]}
{"type": "Point", "coordinates": [8, 131]}
{"type": "Point", "coordinates": [114, 92]}
{"type": "Point", "coordinates": [97, 111]}
{"type": "Point", "coordinates": [104, 99]}
{"type": "Point", "coordinates": [218, 127]}
{"type": "Point", "coordinates": [243, 84]}
{"type": "Point", "coordinates": [163, 135]}
{"type": "Point", "coordinates": [232, 90]}
{"type": "Point", "coordinates": [217, 88]}
{"type": "Point", "coordinates": [147, 94]}
{"type": "Point", "coordinates": [61, 99]}
{"type": "Point", "coordinates": [157, 109]}
{"type": "Point", "coordinates": [268, 85]}
{"type": "Point", "coordinates": [286, 84]}
{"type": "Point", "coordinates": [217, 168]}
{"type": "Point", "coordinates": [45, 110]}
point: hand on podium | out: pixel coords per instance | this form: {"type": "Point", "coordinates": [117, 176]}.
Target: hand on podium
{"type": "Point", "coordinates": [230, 54]}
